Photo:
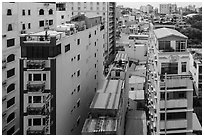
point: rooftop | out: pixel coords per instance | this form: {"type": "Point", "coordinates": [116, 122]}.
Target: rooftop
{"type": "Point", "coordinates": [136, 79]}
{"type": "Point", "coordinates": [136, 95]}
{"type": "Point", "coordinates": [104, 124]}
{"type": "Point", "coordinates": [166, 32]}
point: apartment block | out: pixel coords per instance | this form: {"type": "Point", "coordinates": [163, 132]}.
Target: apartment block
{"type": "Point", "coordinates": [59, 74]}
{"type": "Point", "coordinates": [18, 18]}
{"type": "Point", "coordinates": [107, 11]}
{"type": "Point", "coordinates": [170, 88]}
{"type": "Point", "coordinates": [167, 8]}
{"type": "Point", "coordinates": [10, 75]}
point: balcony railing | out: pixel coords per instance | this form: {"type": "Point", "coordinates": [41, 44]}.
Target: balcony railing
{"type": "Point", "coordinates": [35, 64]}
{"type": "Point", "coordinates": [36, 86]}
{"type": "Point", "coordinates": [36, 109]}
{"type": "Point", "coordinates": [37, 130]}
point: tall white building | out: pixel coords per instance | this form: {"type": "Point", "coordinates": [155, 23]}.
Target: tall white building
{"type": "Point", "coordinates": [170, 88]}
{"type": "Point", "coordinates": [18, 18]}
{"type": "Point", "coordinates": [59, 74]}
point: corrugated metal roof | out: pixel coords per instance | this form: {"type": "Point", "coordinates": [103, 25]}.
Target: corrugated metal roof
{"type": "Point", "coordinates": [165, 32]}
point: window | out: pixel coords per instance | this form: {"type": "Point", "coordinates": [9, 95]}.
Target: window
{"type": "Point", "coordinates": [95, 55]}
{"type": "Point", "coordinates": [183, 66]}
{"type": "Point", "coordinates": [10, 58]}
{"type": "Point", "coordinates": [10, 27]}
{"type": "Point", "coordinates": [67, 47]}
{"type": "Point", "coordinates": [44, 77]}
{"type": "Point", "coordinates": [11, 130]}
{"type": "Point", "coordinates": [9, 12]}
{"type": "Point", "coordinates": [10, 42]}
{"type": "Point", "coordinates": [94, 76]}
{"type": "Point", "coordinates": [28, 12]}
{"type": "Point", "coordinates": [29, 99]}
{"type": "Point", "coordinates": [29, 26]}
{"type": "Point", "coordinates": [23, 27]}
{"type": "Point", "coordinates": [78, 88]}
{"type": "Point", "coordinates": [62, 17]}
{"type": "Point", "coordinates": [11, 117]}
{"type": "Point", "coordinates": [23, 12]}
{"type": "Point", "coordinates": [29, 122]}
{"type": "Point", "coordinates": [95, 43]}
{"type": "Point", "coordinates": [44, 121]}
{"type": "Point", "coordinates": [180, 46]}
{"type": "Point", "coordinates": [97, 3]}
{"type": "Point", "coordinates": [78, 57]}
{"type": "Point", "coordinates": [89, 35]}
{"type": "Point", "coordinates": [50, 22]}
{"type": "Point", "coordinates": [95, 32]}
{"type": "Point", "coordinates": [36, 77]}
{"type": "Point", "coordinates": [95, 65]}
{"type": "Point", "coordinates": [78, 103]}
{"type": "Point", "coordinates": [36, 121]}
{"type": "Point", "coordinates": [162, 95]}
{"type": "Point", "coordinates": [36, 99]}
{"type": "Point", "coordinates": [78, 41]}
{"type": "Point", "coordinates": [132, 88]}
{"type": "Point", "coordinates": [78, 121]}
{"type": "Point", "coordinates": [78, 73]}
{"type": "Point", "coordinates": [165, 46]}
{"type": "Point", "coordinates": [200, 69]}
{"type": "Point", "coordinates": [41, 12]}
{"type": "Point", "coordinates": [50, 12]}
{"type": "Point", "coordinates": [11, 102]}
{"type": "Point", "coordinates": [169, 68]}
{"type": "Point", "coordinates": [29, 77]}
{"type": "Point", "coordinates": [41, 23]}
{"type": "Point", "coordinates": [10, 88]}
{"type": "Point", "coordinates": [117, 73]}
{"type": "Point", "coordinates": [10, 72]}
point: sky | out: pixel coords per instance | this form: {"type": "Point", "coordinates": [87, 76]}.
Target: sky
{"type": "Point", "coordinates": [135, 4]}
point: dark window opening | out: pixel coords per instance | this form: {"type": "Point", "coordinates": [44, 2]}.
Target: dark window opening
{"type": "Point", "coordinates": [11, 102]}
{"type": "Point", "coordinates": [10, 88]}
{"type": "Point", "coordinates": [41, 12]}
{"type": "Point", "coordinates": [10, 117]}
{"type": "Point", "coordinates": [36, 99]}
{"type": "Point", "coordinates": [28, 12]}
{"type": "Point", "coordinates": [9, 12]}
{"type": "Point", "coordinates": [67, 47]}
{"type": "Point", "coordinates": [37, 122]}
{"type": "Point", "coordinates": [11, 130]}
{"type": "Point", "coordinates": [183, 66]}
{"type": "Point", "coordinates": [10, 58]}
{"type": "Point", "coordinates": [10, 27]}
{"type": "Point", "coordinates": [50, 22]}
{"type": "Point", "coordinates": [10, 42]}
{"type": "Point", "coordinates": [29, 122]}
{"type": "Point", "coordinates": [44, 77]}
{"type": "Point", "coordinates": [50, 12]}
{"type": "Point", "coordinates": [23, 12]}
{"type": "Point", "coordinates": [41, 23]}
{"type": "Point", "coordinates": [36, 77]}
{"type": "Point", "coordinates": [10, 73]}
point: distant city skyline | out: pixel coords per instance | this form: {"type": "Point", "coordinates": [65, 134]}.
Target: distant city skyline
{"type": "Point", "coordinates": [156, 4]}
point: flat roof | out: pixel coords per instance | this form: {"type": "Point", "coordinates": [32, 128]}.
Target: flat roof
{"type": "Point", "coordinates": [105, 101]}
{"type": "Point", "coordinates": [165, 32]}
{"type": "Point", "coordinates": [100, 125]}
{"type": "Point", "coordinates": [111, 86]}
{"type": "Point", "coordinates": [136, 95]}
{"type": "Point", "coordinates": [136, 79]}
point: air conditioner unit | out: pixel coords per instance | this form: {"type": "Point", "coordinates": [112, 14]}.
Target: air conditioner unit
{"type": "Point", "coordinates": [3, 36]}
{"type": "Point", "coordinates": [4, 83]}
{"type": "Point", "coordinates": [4, 61]}
{"type": "Point", "coordinates": [4, 98]}
{"type": "Point", "coordinates": [4, 114]}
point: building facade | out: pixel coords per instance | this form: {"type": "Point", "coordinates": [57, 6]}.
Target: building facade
{"type": "Point", "coordinates": [18, 18]}
{"type": "Point", "coordinates": [170, 88]}
{"type": "Point", "coordinates": [167, 8]}
{"type": "Point", "coordinates": [59, 74]}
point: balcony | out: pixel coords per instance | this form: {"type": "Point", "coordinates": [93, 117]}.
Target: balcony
{"type": "Point", "coordinates": [35, 64]}
{"type": "Point", "coordinates": [37, 86]}
{"type": "Point", "coordinates": [173, 124]}
{"type": "Point", "coordinates": [36, 109]}
{"type": "Point", "coordinates": [173, 103]}
{"type": "Point", "coordinates": [175, 81]}
{"type": "Point", "coordinates": [36, 130]}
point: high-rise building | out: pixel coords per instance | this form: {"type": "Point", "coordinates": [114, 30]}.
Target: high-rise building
{"type": "Point", "coordinates": [167, 8]}
{"type": "Point", "coordinates": [146, 9]}
{"type": "Point", "coordinates": [18, 18]}
{"type": "Point", "coordinates": [107, 11]}
{"type": "Point", "coordinates": [170, 88]}
{"type": "Point", "coordinates": [59, 74]}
